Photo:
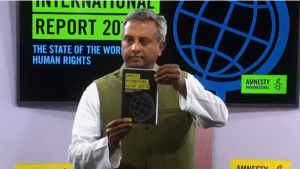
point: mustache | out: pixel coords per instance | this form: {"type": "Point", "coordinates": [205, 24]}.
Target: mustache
{"type": "Point", "coordinates": [136, 55]}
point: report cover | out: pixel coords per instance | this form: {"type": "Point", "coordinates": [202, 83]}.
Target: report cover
{"type": "Point", "coordinates": [139, 96]}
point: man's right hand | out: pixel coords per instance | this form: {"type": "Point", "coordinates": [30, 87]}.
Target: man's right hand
{"type": "Point", "coordinates": [115, 131]}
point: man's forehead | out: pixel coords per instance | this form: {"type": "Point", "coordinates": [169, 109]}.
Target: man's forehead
{"type": "Point", "coordinates": [141, 26]}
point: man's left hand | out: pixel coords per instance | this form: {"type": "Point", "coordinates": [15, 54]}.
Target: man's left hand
{"type": "Point", "coordinates": [170, 74]}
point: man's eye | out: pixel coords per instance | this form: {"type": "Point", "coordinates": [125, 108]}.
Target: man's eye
{"type": "Point", "coordinates": [144, 41]}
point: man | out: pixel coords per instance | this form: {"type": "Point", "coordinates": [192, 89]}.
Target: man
{"type": "Point", "coordinates": [101, 140]}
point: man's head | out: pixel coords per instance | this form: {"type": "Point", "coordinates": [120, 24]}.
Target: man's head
{"type": "Point", "coordinates": [143, 40]}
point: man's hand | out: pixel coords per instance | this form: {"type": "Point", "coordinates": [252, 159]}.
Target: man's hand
{"type": "Point", "coordinates": [170, 74]}
{"type": "Point", "coordinates": [115, 131]}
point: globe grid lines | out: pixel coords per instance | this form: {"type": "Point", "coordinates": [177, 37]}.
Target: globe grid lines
{"type": "Point", "coordinates": [138, 112]}
{"type": "Point", "coordinates": [211, 58]}
{"type": "Point", "coordinates": [137, 104]}
{"type": "Point", "coordinates": [247, 41]}
{"type": "Point", "coordinates": [233, 62]}
{"type": "Point", "coordinates": [220, 25]}
{"type": "Point", "coordinates": [274, 51]}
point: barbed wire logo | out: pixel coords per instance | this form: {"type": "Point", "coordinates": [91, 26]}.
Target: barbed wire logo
{"type": "Point", "coordinates": [278, 84]}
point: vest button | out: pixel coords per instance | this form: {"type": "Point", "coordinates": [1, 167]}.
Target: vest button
{"type": "Point", "coordinates": [147, 127]}
{"type": "Point", "coordinates": [149, 151]}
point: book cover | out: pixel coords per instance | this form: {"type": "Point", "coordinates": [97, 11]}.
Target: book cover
{"type": "Point", "coordinates": [139, 96]}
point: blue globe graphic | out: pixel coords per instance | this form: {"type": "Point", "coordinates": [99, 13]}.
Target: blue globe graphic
{"type": "Point", "coordinates": [273, 51]}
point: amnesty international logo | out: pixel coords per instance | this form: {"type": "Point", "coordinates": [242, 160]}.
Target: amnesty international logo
{"type": "Point", "coordinates": [278, 85]}
{"type": "Point", "coordinates": [264, 84]}
{"type": "Point", "coordinates": [268, 48]}
{"type": "Point", "coordinates": [260, 163]}
{"type": "Point", "coordinates": [44, 166]}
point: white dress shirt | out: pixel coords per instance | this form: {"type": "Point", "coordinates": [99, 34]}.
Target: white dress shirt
{"type": "Point", "coordinates": [89, 151]}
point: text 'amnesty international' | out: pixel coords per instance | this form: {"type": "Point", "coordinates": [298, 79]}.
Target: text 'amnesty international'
{"type": "Point", "coordinates": [133, 82]}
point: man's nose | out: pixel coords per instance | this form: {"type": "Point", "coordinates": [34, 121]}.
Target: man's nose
{"type": "Point", "coordinates": [136, 47]}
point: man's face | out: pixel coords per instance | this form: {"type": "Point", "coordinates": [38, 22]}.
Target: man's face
{"type": "Point", "coordinates": [140, 47]}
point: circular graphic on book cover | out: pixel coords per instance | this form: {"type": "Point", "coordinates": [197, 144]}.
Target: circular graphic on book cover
{"type": "Point", "coordinates": [142, 107]}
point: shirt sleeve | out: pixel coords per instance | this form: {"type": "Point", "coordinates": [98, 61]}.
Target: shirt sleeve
{"type": "Point", "coordinates": [87, 149]}
{"type": "Point", "coordinates": [206, 108]}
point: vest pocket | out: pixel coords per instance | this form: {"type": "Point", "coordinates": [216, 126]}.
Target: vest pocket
{"type": "Point", "coordinates": [173, 130]}
{"type": "Point", "coordinates": [171, 111]}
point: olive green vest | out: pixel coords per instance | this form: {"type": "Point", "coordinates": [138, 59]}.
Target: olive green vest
{"type": "Point", "coordinates": [168, 145]}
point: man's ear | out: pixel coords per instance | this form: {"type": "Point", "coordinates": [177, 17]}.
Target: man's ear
{"type": "Point", "coordinates": [161, 48]}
